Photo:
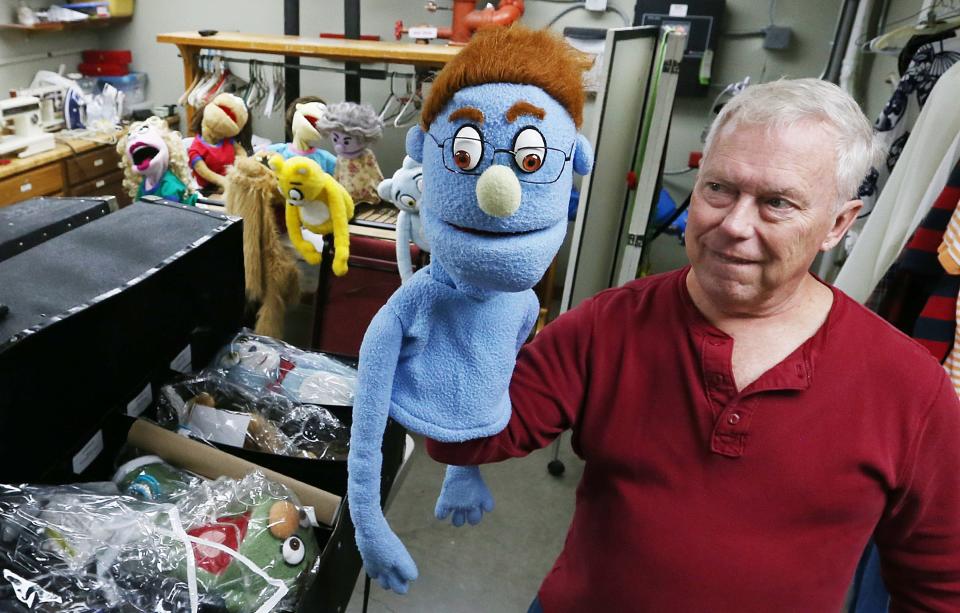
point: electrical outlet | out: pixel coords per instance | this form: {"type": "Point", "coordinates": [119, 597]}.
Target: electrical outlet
{"type": "Point", "coordinates": [596, 5]}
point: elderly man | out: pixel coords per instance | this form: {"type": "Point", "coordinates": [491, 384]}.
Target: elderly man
{"type": "Point", "coordinates": [746, 428]}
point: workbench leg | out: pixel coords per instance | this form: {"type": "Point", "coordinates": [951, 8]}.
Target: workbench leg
{"type": "Point", "coordinates": [189, 55]}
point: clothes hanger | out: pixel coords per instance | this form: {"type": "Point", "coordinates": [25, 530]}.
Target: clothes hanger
{"type": "Point", "coordinates": [932, 24]}
{"type": "Point", "coordinates": [390, 108]}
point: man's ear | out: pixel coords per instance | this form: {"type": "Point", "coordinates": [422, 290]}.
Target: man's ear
{"type": "Point", "coordinates": [415, 138]}
{"type": "Point", "coordinates": [582, 156]}
{"type": "Point", "coordinates": [842, 222]}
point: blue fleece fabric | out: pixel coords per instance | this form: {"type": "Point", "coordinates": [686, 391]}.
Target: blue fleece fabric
{"type": "Point", "coordinates": [405, 190]}
{"type": "Point", "coordinates": [438, 357]}
{"type": "Point", "coordinates": [327, 161]}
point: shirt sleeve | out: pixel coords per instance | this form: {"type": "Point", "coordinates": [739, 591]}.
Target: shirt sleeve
{"type": "Point", "coordinates": [547, 392]}
{"type": "Point", "coordinates": [195, 153]}
{"type": "Point", "coordinates": [919, 534]}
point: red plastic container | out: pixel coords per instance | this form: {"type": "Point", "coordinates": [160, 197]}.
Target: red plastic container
{"type": "Point", "coordinates": [103, 69]}
{"type": "Point", "coordinates": [107, 56]}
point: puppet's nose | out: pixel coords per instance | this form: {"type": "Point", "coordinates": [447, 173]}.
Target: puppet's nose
{"type": "Point", "coordinates": [498, 191]}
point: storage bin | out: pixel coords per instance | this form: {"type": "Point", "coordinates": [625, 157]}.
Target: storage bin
{"type": "Point", "coordinates": [120, 8]}
{"type": "Point", "coordinates": [133, 86]}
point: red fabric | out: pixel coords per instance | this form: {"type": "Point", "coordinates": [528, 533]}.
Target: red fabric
{"type": "Point", "coordinates": [216, 157]}
{"type": "Point", "coordinates": [695, 497]}
{"type": "Point", "coordinates": [226, 531]}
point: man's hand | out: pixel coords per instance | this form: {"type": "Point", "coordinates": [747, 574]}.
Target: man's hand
{"type": "Point", "coordinates": [465, 495]}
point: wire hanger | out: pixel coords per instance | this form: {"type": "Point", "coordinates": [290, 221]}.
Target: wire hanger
{"type": "Point", "coordinates": [931, 22]}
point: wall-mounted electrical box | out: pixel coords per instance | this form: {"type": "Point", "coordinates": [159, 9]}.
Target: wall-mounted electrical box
{"type": "Point", "coordinates": [700, 20]}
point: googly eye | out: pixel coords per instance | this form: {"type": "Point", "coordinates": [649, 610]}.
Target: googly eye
{"type": "Point", "coordinates": [420, 185]}
{"type": "Point", "coordinates": [304, 520]}
{"type": "Point", "coordinates": [467, 148]}
{"type": "Point", "coordinates": [408, 200]}
{"type": "Point", "coordinates": [530, 150]}
{"type": "Point", "coordinates": [293, 551]}
{"type": "Point", "coordinates": [295, 195]}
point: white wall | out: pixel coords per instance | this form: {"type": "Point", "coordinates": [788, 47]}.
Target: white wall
{"type": "Point", "coordinates": [16, 44]}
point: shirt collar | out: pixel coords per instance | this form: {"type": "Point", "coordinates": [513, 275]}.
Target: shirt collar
{"type": "Point", "coordinates": [795, 372]}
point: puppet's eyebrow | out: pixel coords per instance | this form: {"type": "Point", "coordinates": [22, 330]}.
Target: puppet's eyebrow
{"type": "Point", "coordinates": [522, 107]}
{"type": "Point", "coordinates": [467, 112]}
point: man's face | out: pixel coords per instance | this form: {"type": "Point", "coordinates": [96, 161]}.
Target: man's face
{"type": "Point", "coordinates": [762, 208]}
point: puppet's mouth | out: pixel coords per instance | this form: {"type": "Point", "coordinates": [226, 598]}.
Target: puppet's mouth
{"type": "Point", "coordinates": [490, 233]}
{"type": "Point", "coordinates": [229, 113]}
{"type": "Point", "coordinates": [312, 121]}
{"type": "Point", "coordinates": [226, 531]}
{"type": "Point", "coordinates": [142, 154]}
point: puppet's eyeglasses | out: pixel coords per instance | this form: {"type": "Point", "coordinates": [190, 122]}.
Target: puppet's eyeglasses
{"type": "Point", "coordinates": [466, 155]}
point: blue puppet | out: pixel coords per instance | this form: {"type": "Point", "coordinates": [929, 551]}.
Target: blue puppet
{"type": "Point", "coordinates": [404, 189]}
{"type": "Point", "coordinates": [499, 145]}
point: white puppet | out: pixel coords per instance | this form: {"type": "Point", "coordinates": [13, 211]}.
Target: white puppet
{"type": "Point", "coordinates": [404, 190]}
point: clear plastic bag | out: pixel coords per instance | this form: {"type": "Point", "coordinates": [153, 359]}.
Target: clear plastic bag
{"type": "Point", "coordinates": [87, 548]}
{"type": "Point", "coordinates": [266, 364]}
{"type": "Point", "coordinates": [217, 409]}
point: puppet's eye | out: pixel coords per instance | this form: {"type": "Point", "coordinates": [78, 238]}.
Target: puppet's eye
{"type": "Point", "coordinates": [420, 185]}
{"type": "Point", "coordinates": [293, 550]}
{"type": "Point", "coordinates": [467, 148]}
{"type": "Point", "coordinates": [529, 150]}
{"type": "Point", "coordinates": [408, 200]}
{"type": "Point", "coordinates": [295, 195]}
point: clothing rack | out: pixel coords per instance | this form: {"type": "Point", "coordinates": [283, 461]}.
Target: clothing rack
{"type": "Point", "coordinates": [351, 52]}
{"type": "Point", "coordinates": [363, 73]}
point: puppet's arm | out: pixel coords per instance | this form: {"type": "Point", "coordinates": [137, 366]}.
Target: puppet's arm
{"type": "Point", "coordinates": [307, 250]}
{"type": "Point", "coordinates": [202, 170]}
{"type": "Point", "coordinates": [238, 151]}
{"type": "Point", "coordinates": [341, 233]}
{"type": "Point", "coordinates": [384, 556]}
{"type": "Point", "coordinates": [403, 246]}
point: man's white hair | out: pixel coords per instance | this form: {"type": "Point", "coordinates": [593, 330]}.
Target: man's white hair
{"type": "Point", "coordinates": [786, 102]}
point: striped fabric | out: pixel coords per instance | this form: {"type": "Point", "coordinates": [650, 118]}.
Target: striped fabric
{"type": "Point", "coordinates": [935, 328]}
{"type": "Point", "coordinates": [950, 258]}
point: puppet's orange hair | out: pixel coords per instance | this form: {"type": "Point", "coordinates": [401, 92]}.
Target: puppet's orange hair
{"type": "Point", "coordinates": [514, 54]}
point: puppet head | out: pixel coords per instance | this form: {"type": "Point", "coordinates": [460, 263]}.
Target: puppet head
{"type": "Point", "coordinates": [223, 118]}
{"type": "Point", "coordinates": [300, 179]}
{"type": "Point", "coordinates": [352, 127]}
{"type": "Point", "coordinates": [149, 148]}
{"type": "Point", "coordinates": [304, 123]}
{"type": "Point", "coordinates": [499, 145]}
{"type": "Point", "coordinates": [405, 188]}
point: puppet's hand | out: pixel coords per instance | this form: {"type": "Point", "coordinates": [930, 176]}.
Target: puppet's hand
{"type": "Point", "coordinates": [385, 558]}
{"type": "Point", "coordinates": [339, 265]}
{"type": "Point", "coordinates": [465, 495]}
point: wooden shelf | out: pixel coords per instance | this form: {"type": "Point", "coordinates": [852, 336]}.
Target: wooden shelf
{"type": "Point", "coordinates": [59, 26]}
{"type": "Point", "coordinates": [345, 50]}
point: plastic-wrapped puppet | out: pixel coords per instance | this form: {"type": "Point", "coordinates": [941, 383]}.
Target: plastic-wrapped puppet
{"type": "Point", "coordinates": [87, 548]}
{"type": "Point", "coordinates": [267, 364]}
{"type": "Point", "coordinates": [253, 517]}
{"type": "Point", "coordinates": [216, 147]}
{"type": "Point", "coordinates": [404, 190]}
{"type": "Point", "coordinates": [316, 205]}
{"type": "Point", "coordinates": [272, 276]}
{"type": "Point", "coordinates": [499, 145]}
{"type": "Point", "coordinates": [353, 128]}
{"type": "Point", "coordinates": [154, 162]}
{"type": "Point", "coordinates": [302, 117]}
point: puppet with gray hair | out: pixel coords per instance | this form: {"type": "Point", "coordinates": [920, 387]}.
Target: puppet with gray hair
{"type": "Point", "coordinates": [353, 128]}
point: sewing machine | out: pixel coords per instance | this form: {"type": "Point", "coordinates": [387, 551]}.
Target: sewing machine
{"type": "Point", "coordinates": [51, 99]}
{"type": "Point", "coordinates": [21, 116]}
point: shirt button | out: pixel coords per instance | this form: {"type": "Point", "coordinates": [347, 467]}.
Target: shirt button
{"type": "Point", "coordinates": [734, 419]}
{"type": "Point", "coordinates": [718, 379]}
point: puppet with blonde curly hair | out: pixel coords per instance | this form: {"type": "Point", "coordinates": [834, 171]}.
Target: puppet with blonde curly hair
{"type": "Point", "coordinates": [353, 128]}
{"type": "Point", "coordinates": [154, 162]}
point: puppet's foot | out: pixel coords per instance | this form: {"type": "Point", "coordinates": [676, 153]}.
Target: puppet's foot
{"type": "Point", "coordinates": [385, 559]}
{"type": "Point", "coordinates": [465, 495]}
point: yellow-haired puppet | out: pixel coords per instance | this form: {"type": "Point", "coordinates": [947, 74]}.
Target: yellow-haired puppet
{"type": "Point", "coordinates": [316, 205]}
{"type": "Point", "coordinates": [154, 162]}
